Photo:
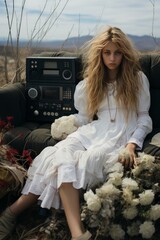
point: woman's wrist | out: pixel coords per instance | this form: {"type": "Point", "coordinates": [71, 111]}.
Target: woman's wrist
{"type": "Point", "coordinates": [131, 146]}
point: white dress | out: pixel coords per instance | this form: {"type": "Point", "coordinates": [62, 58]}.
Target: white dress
{"type": "Point", "coordinates": [84, 156]}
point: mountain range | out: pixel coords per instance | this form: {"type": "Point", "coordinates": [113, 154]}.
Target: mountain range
{"type": "Point", "coordinates": [142, 43]}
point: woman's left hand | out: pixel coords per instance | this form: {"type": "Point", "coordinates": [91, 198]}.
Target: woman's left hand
{"type": "Point", "coordinates": [128, 156]}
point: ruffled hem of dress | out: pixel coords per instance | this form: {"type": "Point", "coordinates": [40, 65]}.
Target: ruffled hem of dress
{"type": "Point", "coordinates": [47, 188]}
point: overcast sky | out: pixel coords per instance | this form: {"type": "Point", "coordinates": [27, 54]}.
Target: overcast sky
{"type": "Point", "coordinates": [81, 17]}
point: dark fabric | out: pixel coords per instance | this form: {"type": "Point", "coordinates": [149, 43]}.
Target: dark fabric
{"type": "Point", "coordinates": [155, 107]}
{"type": "Point", "coordinates": [145, 62]}
{"type": "Point", "coordinates": [155, 71]}
{"type": "Point", "coordinates": [40, 138]}
{"type": "Point", "coordinates": [152, 149]}
{"type": "Point", "coordinates": [13, 103]}
{"type": "Point", "coordinates": [155, 90]}
{"type": "Point", "coordinates": [151, 67]}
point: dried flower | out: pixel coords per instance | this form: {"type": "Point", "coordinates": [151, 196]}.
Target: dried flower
{"type": "Point", "coordinates": [5, 125]}
{"type": "Point", "coordinates": [63, 126]}
{"type": "Point", "coordinates": [116, 232]}
{"type": "Point", "coordinates": [147, 229]}
{"type": "Point", "coordinates": [146, 197]}
{"type": "Point", "coordinates": [145, 161]}
{"type": "Point", "coordinates": [92, 200]}
{"type": "Point", "coordinates": [154, 213]}
{"type": "Point", "coordinates": [130, 212]}
{"type": "Point", "coordinates": [129, 183]}
{"type": "Point", "coordinates": [127, 195]}
{"type": "Point", "coordinates": [109, 190]}
{"type": "Point", "coordinates": [117, 167]}
{"type": "Point", "coordinates": [124, 153]}
{"type": "Point", "coordinates": [11, 154]}
{"type": "Point", "coordinates": [129, 202]}
{"type": "Point", "coordinates": [115, 178]}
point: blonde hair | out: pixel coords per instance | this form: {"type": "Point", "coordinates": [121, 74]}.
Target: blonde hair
{"type": "Point", "coordinates": [128, 83]}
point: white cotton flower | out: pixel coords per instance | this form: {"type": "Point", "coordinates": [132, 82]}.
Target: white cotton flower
{"type": "Point", "coordinates": [67, 125]}
{"type": "Point", "coordinates": [63, 126]}
{"type": "Point", "coordinates": [116, 232]}
{"type": "Point", "coordinates": [115, 178]}
{"type": "Point", "coordinates": [154, 213]}
{"type": "Point", "coordinates": [117, 167]}
{"type": "Point", "coordinates": [108, 190]}
{"type": "Point", "coordinates": [107, 210]}
{"type": "Point", "coordinates": [146, 197]}
{"type": "Point", "coordinates": [146, 157]}
{"type": "Point", "coordinates": [134, 202]}
{"type": "Point", "coordinates": [129, 183]}
{"type": "Point", "coordinates": [107, 213]}
{"type": "Point", "coordinates": [137, 170]}
{"type": "Point", "coordinates": [127, 195]}
{"type": "Point", "coordinates": [129, 198]}
{"type": "Point", "coordinates": [130, 213]}
{"type": "Point", "coordinates": [146, 161]}
{"type": "Point", "coordinates": [133, 229]}
{"type": "Point", "coordinates": [147, 229]}
{"type": "Point", "coordinates": [92, 200]}
{"type": "Point", "coordinates": [124, 153]}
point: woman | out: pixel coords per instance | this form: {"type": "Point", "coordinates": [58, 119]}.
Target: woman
{"type": "Point", "coordinates": [112, 102]}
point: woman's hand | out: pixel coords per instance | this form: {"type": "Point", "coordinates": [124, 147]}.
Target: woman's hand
{"type": "Point", "coordinates": [128, 157]}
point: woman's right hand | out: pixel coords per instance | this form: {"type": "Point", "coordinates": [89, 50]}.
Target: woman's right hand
{"type": "Point", "coordinates": [127, 156]}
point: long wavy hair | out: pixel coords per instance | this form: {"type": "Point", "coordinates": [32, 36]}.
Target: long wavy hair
{"type": "Point", "coordinates": [128, 82]}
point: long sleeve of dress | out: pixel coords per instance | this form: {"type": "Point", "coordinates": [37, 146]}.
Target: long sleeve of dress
{"type": "Point", "coordinates": [80, 103]}
{"type": "Point", "coordinates": [144, 122]}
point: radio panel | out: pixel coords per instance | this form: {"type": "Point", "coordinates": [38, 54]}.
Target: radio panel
{"type": "Point", "coordinates": [50, 86]}
{"type": "Point", "coordinates": [44, 69]}
{"type": "Point", "coordinates": [45, 103]}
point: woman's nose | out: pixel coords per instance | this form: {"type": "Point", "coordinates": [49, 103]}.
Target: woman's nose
{"type": "Point", "coordinates": [112, 57]}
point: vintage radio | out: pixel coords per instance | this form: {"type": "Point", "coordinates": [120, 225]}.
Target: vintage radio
{"type": "Point", "coordinates": [50, 86]}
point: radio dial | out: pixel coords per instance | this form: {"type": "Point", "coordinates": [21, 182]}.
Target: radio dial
{"type": "Point", "coordinates": [67, 74]}
{"type": "Point", "coordinates": [32, 93]}
{"type": "Point", "coordinates": [36, 112]}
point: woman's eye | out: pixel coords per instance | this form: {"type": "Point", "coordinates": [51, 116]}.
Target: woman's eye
{"type": "Point", "coordinates": [118, 53]}
{"type": "Point", "coordinates": [107, 52]}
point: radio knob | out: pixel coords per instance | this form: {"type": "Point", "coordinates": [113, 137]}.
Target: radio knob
{"type": "Point", "coordinates": [32, 93]}
{"type": "Point", "coordinates": [36, 113]}
{"type": "Point", "coordinates": [67, 74]}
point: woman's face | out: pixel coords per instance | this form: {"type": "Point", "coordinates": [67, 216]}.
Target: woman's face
{"type": "Point", "coordinates": [112, 56]}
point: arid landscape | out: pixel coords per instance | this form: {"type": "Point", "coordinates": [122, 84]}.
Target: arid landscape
{"type": "Point", "coordinates": [8, 64]}
{"type": "Point", "coordinates": [12, 59]}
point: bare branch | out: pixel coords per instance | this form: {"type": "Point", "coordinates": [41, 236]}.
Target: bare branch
{"type": "Point", "coordinates": [13, 17]}
{"type": "Point", "coordinates": [153, 15]}
{"type": "Point", "coordinates": [153, 2]}
{"type": "Point", "coordinates": [52, 24]}
{"type": "Point", "coordinates": [9, 39]}
{"type": "Point", "coordinates": [47, 20]}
